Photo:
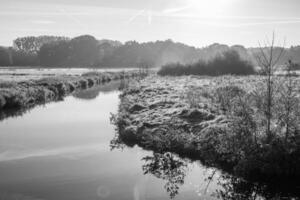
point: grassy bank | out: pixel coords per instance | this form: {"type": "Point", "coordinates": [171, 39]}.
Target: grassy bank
{"type": "Point", "coordinates": [22, 94]}
{"type": "Point", "coordinates": [203, 118]}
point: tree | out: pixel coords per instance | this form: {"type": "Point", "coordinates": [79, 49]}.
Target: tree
{"type": "Point", "coordinates": [54, 54]}
{"type": "Point", "coordinates": [83, 51]}
{"type": "Point", "coordinates": [26, 44]}
{"type": "Point", "coordinates": [5, 56]}
{"type": "Point", "coordinates": [80, 51]}
{"type": "Point", "coordinates": [32, 44]}
{"type": "Point", "coordinates": [268, 61]}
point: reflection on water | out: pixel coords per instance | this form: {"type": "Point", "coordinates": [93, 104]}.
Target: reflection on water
{"type": "Point", "coordinates": [62, 151]}
{"type": "Point", "coordinates": [215, 184]}
{"type": "Point", "coordinates": [166, 167]}
{"type": "Point", "coordinates": [12, 113]}
{"type": "Point", "coordinates": [93, 92]}
{"type": "Point", "coordinates": [87, 94]}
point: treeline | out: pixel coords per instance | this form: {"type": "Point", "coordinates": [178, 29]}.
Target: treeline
{"type": "Point", "coordinates": [87, 51]}
{"type": "Point", "coordinates": [230, 62]}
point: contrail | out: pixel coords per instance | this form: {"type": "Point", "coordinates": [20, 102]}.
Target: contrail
{"type": "Point", "coordinates": [135, 16]}
{"type": "Point", "coordinates": [175, 10]}
{"type": "Point", "coordinates": [72, 18]}
{"type": "Point", "coordinates": [149, 14]}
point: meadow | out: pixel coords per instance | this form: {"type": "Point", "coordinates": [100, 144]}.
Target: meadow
{"type": "Point", "coordinates": [221, 121]}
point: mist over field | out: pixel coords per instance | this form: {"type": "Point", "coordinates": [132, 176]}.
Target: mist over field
{"type": "Point", "coordinates": [152, 99]}
{"type": "Point", "coordinates": [87, 51]}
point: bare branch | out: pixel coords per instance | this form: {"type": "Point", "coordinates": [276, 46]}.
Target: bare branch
{"type": "Point", "coordinates": [281, 53]}
{"type": "Point", "coordinates": [263, 53]}
{"type": "Point", "coordinates": [271, 51]}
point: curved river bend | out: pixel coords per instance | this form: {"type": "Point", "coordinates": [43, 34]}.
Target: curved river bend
{"type": "Point", "coordinates": [62, 151]}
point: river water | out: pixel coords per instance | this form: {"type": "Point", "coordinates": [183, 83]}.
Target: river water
{"type": "Point", "coordinates": [62, 151]}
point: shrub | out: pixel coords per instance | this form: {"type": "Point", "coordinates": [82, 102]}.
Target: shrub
{"type": "Point", "coordinates": [248, 139]}
{"type": "Point", "coordinates": [228, 63]}
{"type": "Point", "coordinates": [295, 66]}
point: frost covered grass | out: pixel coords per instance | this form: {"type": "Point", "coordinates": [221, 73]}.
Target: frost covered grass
{"type": "Point", "coordinates": [22, 94]}
{"type": "Point", "coordinates": [219, 120]}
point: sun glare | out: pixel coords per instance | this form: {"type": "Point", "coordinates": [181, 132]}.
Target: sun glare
{"type": "Point", "coordinates": [210, 7]}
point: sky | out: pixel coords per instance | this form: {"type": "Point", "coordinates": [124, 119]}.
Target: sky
{"type": "Point", "coordinates": [194, 22]}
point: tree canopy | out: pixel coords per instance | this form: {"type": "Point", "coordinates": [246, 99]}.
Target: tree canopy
{"type": "Point", "coordinates": [86, 51]}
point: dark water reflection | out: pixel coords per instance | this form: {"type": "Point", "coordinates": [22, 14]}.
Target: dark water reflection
{"type": "Point", "coordinates": [215, 184]}
{"type": "Point", "coordinates": [63, 151]}
{"type": "Point", "coordinates": [168, 168]}
{"type": "Point", "coordinates": [93, 92]}
{"type": "Point", "coordinates": [88, 94]}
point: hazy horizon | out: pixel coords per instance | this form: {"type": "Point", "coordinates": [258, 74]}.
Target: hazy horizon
{"type": "Point", "coordinates": [193, 22]}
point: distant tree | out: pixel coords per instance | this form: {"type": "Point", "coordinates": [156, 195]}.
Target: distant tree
{"type": "Point", "coordinates": [21, 58]}
{"type": "Point", "coordinates": [113, 43]}
{"type": "Point", "coordinates": [32, 44]}
{"type": "Point", "coordinates": [4, 56]}
{"type": "Point", "coordinates": [83, 51]}
{"type": "Point", "coordinates": [55, 54]}
{"type": "Point", "coordinates": [105, 51]}
{"type": "Point", "coordinates": [86, 51]}
{"type": "Point", "coordinates": [26, 44]}
{"type": "Point", "coordinates": [80, 51]}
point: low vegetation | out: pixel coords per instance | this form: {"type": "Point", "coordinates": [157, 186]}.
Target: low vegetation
{"type": "Point", "coordinates": [22, 94]}
{"type": "Point", "coordinates": [229, 62]}
{"type": "Point", "coordinates": [220, 120]}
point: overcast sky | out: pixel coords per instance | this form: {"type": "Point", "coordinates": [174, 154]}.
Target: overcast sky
{"type": "Point", "coordinates": [194, 22]}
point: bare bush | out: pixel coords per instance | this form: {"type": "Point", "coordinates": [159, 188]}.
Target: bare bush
{"type": "Point", "coordinates": [268, 58]}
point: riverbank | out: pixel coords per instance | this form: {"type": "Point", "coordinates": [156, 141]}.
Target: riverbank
{"type": "Point", "coordinates": [27, 93]}
{"type": "Point", "coordinates": [189, 116]}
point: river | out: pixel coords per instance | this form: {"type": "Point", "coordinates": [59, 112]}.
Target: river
{"type": "Point", "coordinates": [63, 151]}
